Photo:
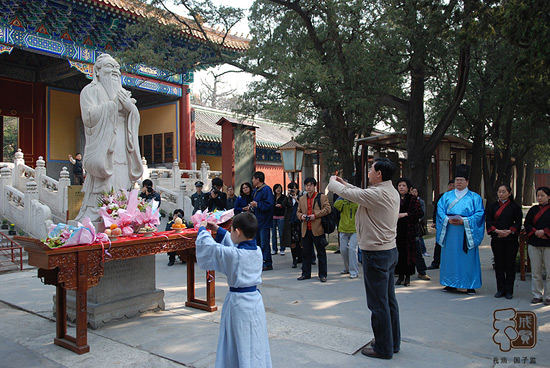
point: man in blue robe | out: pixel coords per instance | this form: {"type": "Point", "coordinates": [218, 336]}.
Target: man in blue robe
{"type": "Point", "coordinates": [460, 219]}
{"type": "Point", "coordinates": [243, 340]}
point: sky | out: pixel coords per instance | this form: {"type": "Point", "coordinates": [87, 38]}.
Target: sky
{"type": "Point", "coordinates": [237, 81]}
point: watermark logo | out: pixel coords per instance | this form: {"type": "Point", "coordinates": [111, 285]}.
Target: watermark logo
{"type": "Point", "coordinates": [514, 329]}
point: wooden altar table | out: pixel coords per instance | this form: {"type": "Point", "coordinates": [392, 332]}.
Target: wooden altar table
{"type": "Point", "coordinates": [81, 267]}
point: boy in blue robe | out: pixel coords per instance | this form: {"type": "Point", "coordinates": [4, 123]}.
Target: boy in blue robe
{"type": "Point", "coordinates": [460, 230]}
{"type": "Point", "coordinates": [243, 338]}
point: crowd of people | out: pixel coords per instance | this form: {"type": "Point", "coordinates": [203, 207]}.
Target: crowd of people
{"type": "Point", "coordinates": [293, 219]}
{"type": "Point", "coordinates": [380, 226]}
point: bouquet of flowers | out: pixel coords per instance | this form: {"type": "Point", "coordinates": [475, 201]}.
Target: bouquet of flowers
{"type": "Point", "coordinates": [127, 211]}
{"type": "Point", "coordinates": [149, 218]}
{"type": "Point", "coordinates": [112, 202]}
{"type": "Point", "coordinates": [219, 217]}
{"type": "Point", "coordinates": [63, 235]}
{"type": "Point", "coordinates": [119, 208]}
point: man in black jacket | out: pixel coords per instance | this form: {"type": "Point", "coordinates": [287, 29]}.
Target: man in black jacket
{"type": "Point", "coordinates": [78, 170]}
{"type": "Point", "coordinates": [199, 198]}
{"type": "Point", "coordinates": [148, 193]}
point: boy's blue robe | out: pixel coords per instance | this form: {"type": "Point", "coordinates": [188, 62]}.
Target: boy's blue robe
{"type": "Point", "coordinates": [243, 338]}
{"type": "Point", "coordinates": [459, 269]}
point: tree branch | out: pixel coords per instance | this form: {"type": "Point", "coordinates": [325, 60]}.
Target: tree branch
{"type": "Point", "coordinates": [395, 102]}
{"type": "Point", "coordinates": [452, 109]}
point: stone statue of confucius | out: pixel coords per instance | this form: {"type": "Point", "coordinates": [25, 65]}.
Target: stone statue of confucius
{"type": "Point", "coordinates": [111, 124]}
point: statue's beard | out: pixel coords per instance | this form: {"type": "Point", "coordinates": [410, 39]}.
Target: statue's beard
{"type": "Point", "coordinates": [112, 85]}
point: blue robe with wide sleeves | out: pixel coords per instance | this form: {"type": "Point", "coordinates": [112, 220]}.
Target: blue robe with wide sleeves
{"type": "Point", "coordinates": [243, 338]}
{"type": "Point", "coordinates": [459, 269]}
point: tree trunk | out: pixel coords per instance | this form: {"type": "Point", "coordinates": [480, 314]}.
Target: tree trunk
{"type": "Point", "coordinates": [490, 194]}
{"type": "Point", "coordinates": [415, 131]}
{"type": "Point", "coordinates": [528, 192]}
{"type": "Point", "coordinates": [477, 158]}
{"type": "Point", "coordinates": [348, 163]}
{"type": "Point", "coordinates": [342, 139]}
{"type": "Point", "coordinates": [520, 171]}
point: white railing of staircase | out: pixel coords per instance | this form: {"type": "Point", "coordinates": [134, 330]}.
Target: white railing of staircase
{"type": "Point", "coordinates": [23, 208]}
{"type": "Point", "coordinates": [21, 172]}
{"type": "Point", "coordinates": [29, 197]}
{"type": "Point", "coordinates": [51, 192]}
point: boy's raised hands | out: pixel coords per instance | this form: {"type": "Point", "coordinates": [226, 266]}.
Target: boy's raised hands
{"type": "Point", "coordinates": [210, 225]}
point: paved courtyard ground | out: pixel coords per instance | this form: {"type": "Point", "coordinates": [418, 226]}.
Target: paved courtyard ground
{"type": "Point", "coordinates": [310, 324]}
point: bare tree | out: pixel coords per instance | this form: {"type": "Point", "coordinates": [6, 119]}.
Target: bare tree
{"type": "Point", "coordinates": [214, 93]}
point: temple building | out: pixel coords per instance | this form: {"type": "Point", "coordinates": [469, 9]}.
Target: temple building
{"type": "Point", "coordinates": [47, 52]}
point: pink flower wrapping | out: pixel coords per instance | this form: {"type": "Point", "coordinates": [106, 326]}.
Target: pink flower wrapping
{"type": "Point", "coordinates": [148, 218]}
{"type": "Point", "coordinates": [219, 217]}
{"type": "Point", "coordinates": [125, 218]}
{"type": "Point", "coordinates": [83, 234]}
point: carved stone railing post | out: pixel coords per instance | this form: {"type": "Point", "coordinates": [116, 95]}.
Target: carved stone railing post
{"type": "Point", "coordinates": [62, 192]}
{"type": "Point", "coordinates": [145, 169]}
{"type": "Point", "coordinates": [5, 180]}
{"type": "Point", "coordinates": [31, 192]}
{"type": "Point", "coordinates": [181, 195]}
{"type": "Point", "coordinates": [184, 201]}
{"type": "Point", "coordinates": [204, 172]}
{"type": "Point", "coordinates": [155, 179]}
{"type": "Point", "coordinates": [176, 174]}
{"type": "Point", "coordinates": [40, 171]}
{"type": "Point", "coordinates": [17, 161]}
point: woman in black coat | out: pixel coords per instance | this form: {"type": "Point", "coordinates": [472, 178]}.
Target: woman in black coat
{"type": "Point", "coordinates": [409, 214]}
{"type": "Point", "coordinates": [537, 226]}
{"type": "Point", "coordinates": [294, 234]}
{"type": "Point", "coordinates": [503, 220]}
{"type": "Point", "coordinates": [244, 199]}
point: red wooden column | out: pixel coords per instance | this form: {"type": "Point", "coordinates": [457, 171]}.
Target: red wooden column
{"type": "Point", "coordinates": [184, 107]}
{"type": "Point", "coordinates": [40, 127]}
{"type": "Point", "coordinates": [193, 139]}
{"type": "Point", "coordinates": [228, 152]}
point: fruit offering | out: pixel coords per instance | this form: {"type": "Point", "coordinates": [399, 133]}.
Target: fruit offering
{"type": "Point", "coordinates": [178, 224]}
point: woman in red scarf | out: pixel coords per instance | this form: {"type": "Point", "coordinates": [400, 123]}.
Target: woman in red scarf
{"type": "Point", "coordinates": [537, 226]}
{"type": "Point", "coordinates": [503, 220]}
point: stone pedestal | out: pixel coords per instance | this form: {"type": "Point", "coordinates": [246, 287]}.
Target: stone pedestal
{"type": "Point", "coordinates": [127, 288]}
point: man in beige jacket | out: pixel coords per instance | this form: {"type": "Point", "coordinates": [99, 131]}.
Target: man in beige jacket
{"type": "Point", "coordinates": [376, 224]}
{"type": "Point", "coordinates": [311, 208]}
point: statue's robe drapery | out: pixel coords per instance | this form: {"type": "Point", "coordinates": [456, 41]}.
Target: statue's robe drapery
{"type": "Point", "coordinates": [460, 265]}
{"type": "Point", "coordinates": [103, 125]}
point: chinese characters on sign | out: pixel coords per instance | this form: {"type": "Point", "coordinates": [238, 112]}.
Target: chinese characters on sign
{"type": "Point", "coordinates": [515, 360]}
{"type": "Point", "coordinates": [514, 329]}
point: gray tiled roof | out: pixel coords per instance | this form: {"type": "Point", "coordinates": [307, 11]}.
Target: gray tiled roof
{"type": "Point", "coordinates": [268, 134]}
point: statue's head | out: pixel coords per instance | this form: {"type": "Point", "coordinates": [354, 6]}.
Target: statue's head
{"type": "Point", "coordinates": [107, 73]}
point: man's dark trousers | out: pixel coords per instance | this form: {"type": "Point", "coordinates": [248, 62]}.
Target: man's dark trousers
{"type": "Point", "coordinates": [378, 275]}
{"type": "Point", "coordinates": [308, 242]}
{"type": "Point", "coordinates": [437, 255]}
{"type": "Point", "coordinates": [262, 240]}
{"type": "Point", "coordinates": [79, 179]}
